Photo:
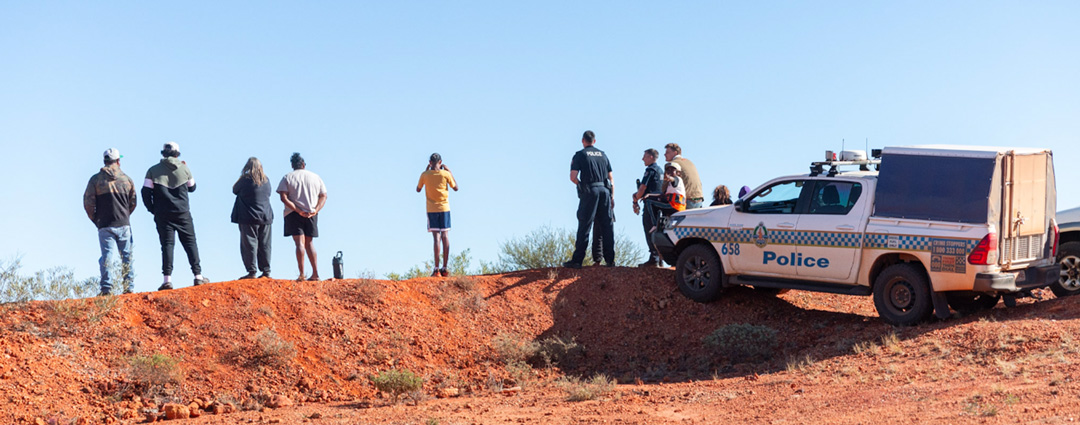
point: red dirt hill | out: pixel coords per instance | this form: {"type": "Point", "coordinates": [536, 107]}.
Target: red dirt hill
{"type": "Point", "coordinates": [258, 342]}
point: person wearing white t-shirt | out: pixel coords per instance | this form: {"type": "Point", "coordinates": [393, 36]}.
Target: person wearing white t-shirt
{"type": "Point", "coordinates": [304, 195]}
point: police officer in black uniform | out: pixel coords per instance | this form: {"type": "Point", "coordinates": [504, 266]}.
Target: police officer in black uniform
{"type": "Point", "coordinates": [591, 172]}
{"type": "Point", "coordinates": [649, 185]}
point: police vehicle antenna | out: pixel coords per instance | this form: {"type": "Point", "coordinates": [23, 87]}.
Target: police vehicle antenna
{"type": "Point", "coordinates": [842, 142]}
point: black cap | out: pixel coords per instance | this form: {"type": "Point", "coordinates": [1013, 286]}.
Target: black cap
{"type": "Point", "coordinates": [435, 157]}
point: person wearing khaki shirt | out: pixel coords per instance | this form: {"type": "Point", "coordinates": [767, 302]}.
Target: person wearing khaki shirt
{"type": "Point", "coordinates": [695, 198]}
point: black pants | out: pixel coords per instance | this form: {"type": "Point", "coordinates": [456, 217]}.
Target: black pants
{"type": "Point", "coordinates": [255, 242]}
{"type": "Point", "coordinates": [598, 241]}
{"type": "Point", "coordinates": [647, 222]}
{"type": "Point", "coordinates": [168, 226]}
{"type": "Point", "coordinates": [594, 204]}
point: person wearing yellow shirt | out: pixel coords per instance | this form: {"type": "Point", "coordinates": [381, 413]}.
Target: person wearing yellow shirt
{"type": "Point", "coordinates": [437, 178]}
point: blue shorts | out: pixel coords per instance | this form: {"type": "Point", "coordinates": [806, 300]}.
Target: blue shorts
{"type": "Point", "coordinates": [438, 221]}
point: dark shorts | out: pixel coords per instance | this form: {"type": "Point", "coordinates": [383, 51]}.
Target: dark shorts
{"type": "Point", "coordinates": [297, 225]}
{"type": "Point", "coordinates": [438, 221]}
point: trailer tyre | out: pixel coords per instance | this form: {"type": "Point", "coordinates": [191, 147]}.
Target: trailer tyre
{"type": "Point", "coordinates": [1069, 282]}
{"type": "Point", "coordinates": [699, 273]}
{"type": "Point", "coordinates": [902, 295]}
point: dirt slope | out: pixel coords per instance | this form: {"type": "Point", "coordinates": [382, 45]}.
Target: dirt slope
{"type": "Point", "coordinates": [232, 340]}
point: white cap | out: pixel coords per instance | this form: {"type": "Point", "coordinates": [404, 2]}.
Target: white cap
{"type": "Point", "coordinates": [674, 165]}
{"type": "Point", "coordinates": [112, 154]}
{"type": "Point", "coordinates": [172, 146]}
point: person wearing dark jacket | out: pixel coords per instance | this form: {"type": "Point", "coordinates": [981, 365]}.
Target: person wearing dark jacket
{"type": "Point", "coordinates": [253, 214]}
{"type": "Point", "coordinates": [109, 200]}
{"type": "Point", "coordinates": [165, 193]}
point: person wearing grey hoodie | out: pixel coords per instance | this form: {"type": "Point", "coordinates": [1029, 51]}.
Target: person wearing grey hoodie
{"type": "Point", "coordinates": [165, 194]}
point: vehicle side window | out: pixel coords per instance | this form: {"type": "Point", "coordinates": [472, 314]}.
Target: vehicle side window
{"type": "Point", "coordinates": [780, 198]}
{"type": "Point", "coordinates": [834, 197]}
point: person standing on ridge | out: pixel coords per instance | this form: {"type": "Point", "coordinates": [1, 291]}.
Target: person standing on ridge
{"type": "Point", "coordinates": [695, 198]}
{"type": "Point", "coordinates": [109, 200]}
{"type": "Point", "coordinates": [252, 212]}
{"type": "Point", "coordinates": [437, 178]}
{"type": "Point", "coordinates": [304, 195]}
{"type": "Point", "coordinates": [591, 172]}
{"type": "Point", "coordinates": [650, 184]}
{"type": "Point", "coordinates": [165, 194]}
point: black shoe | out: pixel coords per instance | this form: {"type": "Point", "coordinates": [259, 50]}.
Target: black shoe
{"type": "Point", "coordinates": [104, 293]}
{"type": "Point", "coordinates": [128, 291]}
{"type": "Point", "coordinates": [571, 265]}
{"type": "Point", "coordinates": [649, 263]}
{"type": "Point", "coordinates": [201, 281]}
{"type": "Point", "coordinates": [250, 275]}
{"type": "Point", "coordinates": [609, 265]}
{"type": "Point", "coordinates": [165, 286]}
{"type": "Point", "coordinates": [265, 274]}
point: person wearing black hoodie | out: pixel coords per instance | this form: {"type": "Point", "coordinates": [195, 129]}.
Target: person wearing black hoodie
{"type": "Point", "coordinates": [109, 200]}
{"type": "Point", "coordinates": [165, 194]}
{"type": "Point", "coordinates": [253, 214]}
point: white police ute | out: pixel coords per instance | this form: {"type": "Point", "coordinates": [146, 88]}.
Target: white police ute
{"type": "Point", "coordinates": [919, 228]}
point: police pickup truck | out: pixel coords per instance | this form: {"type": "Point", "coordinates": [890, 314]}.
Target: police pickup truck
{"type": "Point", "coordinates": [928, 228]}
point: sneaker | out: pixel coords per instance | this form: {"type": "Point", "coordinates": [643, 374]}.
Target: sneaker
{"type": "Point", "coordinates": [444, 272]}
{"type": "Point", "coordinates": [609, 265]}
{"type": "Point", "coordinates": [571, 265]}
{"type": "Point", "coordinates": [265, 275]}
{"type": "Point", "coordinates": [301, 278]}
{"type": "Point", "coordinates": [201, 281]}
{"type": "Point", "coordinates": [128, 291]}
{"type": "Point", "coordinates": [435, 273]}
{"type": "Point", "coordinates": [104, 293]}
{"type": "Point", "coordinates": [165, 286]}
{"type": "Point", "coordinates": [250, 275]}
{"type": "Point", "coordinates": [650, 263]}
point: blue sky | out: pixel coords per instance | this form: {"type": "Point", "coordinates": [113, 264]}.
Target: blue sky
{"type": "Point", "coordinates": [503, 90]}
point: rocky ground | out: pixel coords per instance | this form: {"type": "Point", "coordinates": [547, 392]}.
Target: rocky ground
{"type": "Point", "coordinates": [275, 351]}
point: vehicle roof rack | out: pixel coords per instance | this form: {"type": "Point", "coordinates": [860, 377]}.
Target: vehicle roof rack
{"type": "Point", "coordinates": [859, 158]}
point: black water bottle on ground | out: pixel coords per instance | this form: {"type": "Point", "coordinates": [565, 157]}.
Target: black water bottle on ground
{"type": "Point", "coordinates": [339, 266]}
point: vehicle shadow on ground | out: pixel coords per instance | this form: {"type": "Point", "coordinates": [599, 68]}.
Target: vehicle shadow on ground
{"type": "Point", "coordinates": [633, 324]}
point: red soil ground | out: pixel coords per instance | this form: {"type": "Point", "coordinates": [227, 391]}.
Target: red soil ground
{"type": "Point", "coordinates": [70, 362]}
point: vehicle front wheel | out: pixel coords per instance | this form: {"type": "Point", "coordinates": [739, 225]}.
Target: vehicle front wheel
{"type": "Point", "coordinates": [1069, 282]}
{"type": "Point", "coordinates": [699, 274]}
{"type": "Point", "coordinates": [902, 295]}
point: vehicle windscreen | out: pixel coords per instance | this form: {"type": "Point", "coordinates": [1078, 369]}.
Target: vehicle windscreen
{"type": "Point", "coordinates": [934, 188]}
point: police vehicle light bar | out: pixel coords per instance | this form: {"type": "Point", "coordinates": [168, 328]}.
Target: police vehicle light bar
{"type": "Point", "coordinates": [832, 160]}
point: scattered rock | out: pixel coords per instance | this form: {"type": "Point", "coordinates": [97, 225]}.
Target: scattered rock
{"type": "Point", "coordinates": [194, 409]}
{"type": "Point", "coordinates": [447, 392]}
{"type": "Point", "coordinates": [150, 415]}
{"type": "Point", "coordinates": [175, 411]}
{"type": "Point", "coordinates": [279, 401]}
{"type": "Point", "coordinates": [315, 416]}
{"type": "Point", "coordinates": [513, 390]}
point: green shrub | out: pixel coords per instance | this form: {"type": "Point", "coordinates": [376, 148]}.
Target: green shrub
{"type": "Point", "coordinates": [580, 390]}
{"type": "Point", "coordinates": [511, 349]}
{"type": "Point", "coordinates": [550, 247]}
{"type": "Point", "coordinates": [556, 351]}
{"type": "Point", "coordinates": [743, 342]}
{"type": "Point", "coordinates": [272, 350]}
{"type": "Point", "coordinates": [57, 283]}
{"type": "Point", "coordinates": [155, 371]}
{"type": "Point", "coordinates": [397, 382]}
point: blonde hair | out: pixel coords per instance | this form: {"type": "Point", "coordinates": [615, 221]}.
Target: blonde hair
{"type": "Point", "coordinates": [254, 169]}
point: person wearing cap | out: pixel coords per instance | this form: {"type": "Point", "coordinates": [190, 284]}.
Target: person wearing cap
{"type": "Point", "coordinates": [591, 172]}
{"type": "Point", "coordinates": [650, 184]}
{"type": "Point", "coordinates": [109, 200]}
{"type": "Point", "coordinates": [304, 195]}
{"type": "Point", "coordinates": [165, 194]}
{"type": "Point", "coordinates": [436, 178]}
{"type": "Point", "coordinates": [672, 200]}
{"type": "Point", "coordinates": [254, 215]}
{"type": "Point", "coordinates": [695, 197]}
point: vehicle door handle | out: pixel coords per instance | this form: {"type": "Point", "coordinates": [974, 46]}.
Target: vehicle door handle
{"type": "Point", "coordinates": [845, 227]}
{"type": "Point", "coordinates": [785, 225]}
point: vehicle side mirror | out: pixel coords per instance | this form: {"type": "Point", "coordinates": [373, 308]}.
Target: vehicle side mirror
{"type": "Point", "coordinates": [739, 205]}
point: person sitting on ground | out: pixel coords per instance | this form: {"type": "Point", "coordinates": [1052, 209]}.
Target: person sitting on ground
{"type": "Point", "coordinates": [672, 200]}
{"type": "Point", "coordinates": [437, 178]}
{"type": "Point", "coordinates": [721, 196]}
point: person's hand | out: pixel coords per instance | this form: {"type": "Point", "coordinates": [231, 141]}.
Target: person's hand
{"type": "Point", "coordinates": [445, 167]}
{"type": "Point", "coordinates": [613, 201]}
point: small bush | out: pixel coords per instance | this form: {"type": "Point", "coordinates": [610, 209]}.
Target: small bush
{"type": "Point", "coordinates": [463, 283]}
{"type": "Point", "coordinates": [549, 247]}
{"type": "Point", "coordinates": [397, 382]}
{"type": "Point", "coordinates": [57, 283]}
{"type": "Point", "coordinates": [511, 349]}
{"type": "Point", "coordinates": [591, 389]}
{"type": "Point", "coordinates": [271, 350]}
{"type": "Point", "coordinates": [556, 351]}
{"type": "Point", "coordinates": [155, 371]}
{"type": "Point", "coordinates": [743, 342]}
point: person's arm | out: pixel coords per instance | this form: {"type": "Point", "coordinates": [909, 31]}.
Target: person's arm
{"type": "Point", "coordinates": [451, 181]}
{"type": "Point", "coordinates": [148, 194]}
{"type": "Point", "coordinates": [89, 200]}
{"type": "Point", "coordinates": [611, 177]}
{"type": "Point", "coordinates": [319, 206]}
{"type": "Point", "coordinates": [640, 192]}
{"type": "Point", "coordinates": [133, 200]}
{"type": "Point", "coordinates": [191, 184]}
{"type": "Point", "coordinates": [236, 186]}
{"type": "Point", "coordinates": [288, 204]}
{"type": "Point", "coordinates": [573, 177]}
{"type": "Point", "coordinates": [420, 184]}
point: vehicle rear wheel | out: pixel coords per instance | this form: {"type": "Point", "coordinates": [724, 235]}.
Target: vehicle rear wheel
{"type": "Point", "coordinates": [902, 295]}
{"type": "Point", "coordinates": [699, 274]}
{"type": "Point", "coordinates": [967, 303]}
{"type": "Point", "coordinates": [1069, 282]}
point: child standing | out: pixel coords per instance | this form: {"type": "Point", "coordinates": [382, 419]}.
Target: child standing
{"type": "Point", "coordinates": [437, 178]}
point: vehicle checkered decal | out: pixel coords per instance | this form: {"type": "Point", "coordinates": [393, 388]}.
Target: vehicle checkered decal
{"type": "Point", "coordinates": [823, 239]}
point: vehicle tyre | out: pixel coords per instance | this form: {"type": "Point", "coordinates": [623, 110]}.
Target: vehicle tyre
{"type": "Point", "coordinates": [1069, 282]}
{"type": "Point", "coordinates": [699, 274]}
{"type": "Point", "coordinates": [967, 303]}
{"type": "Point", "coordinates": [902, 295]}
